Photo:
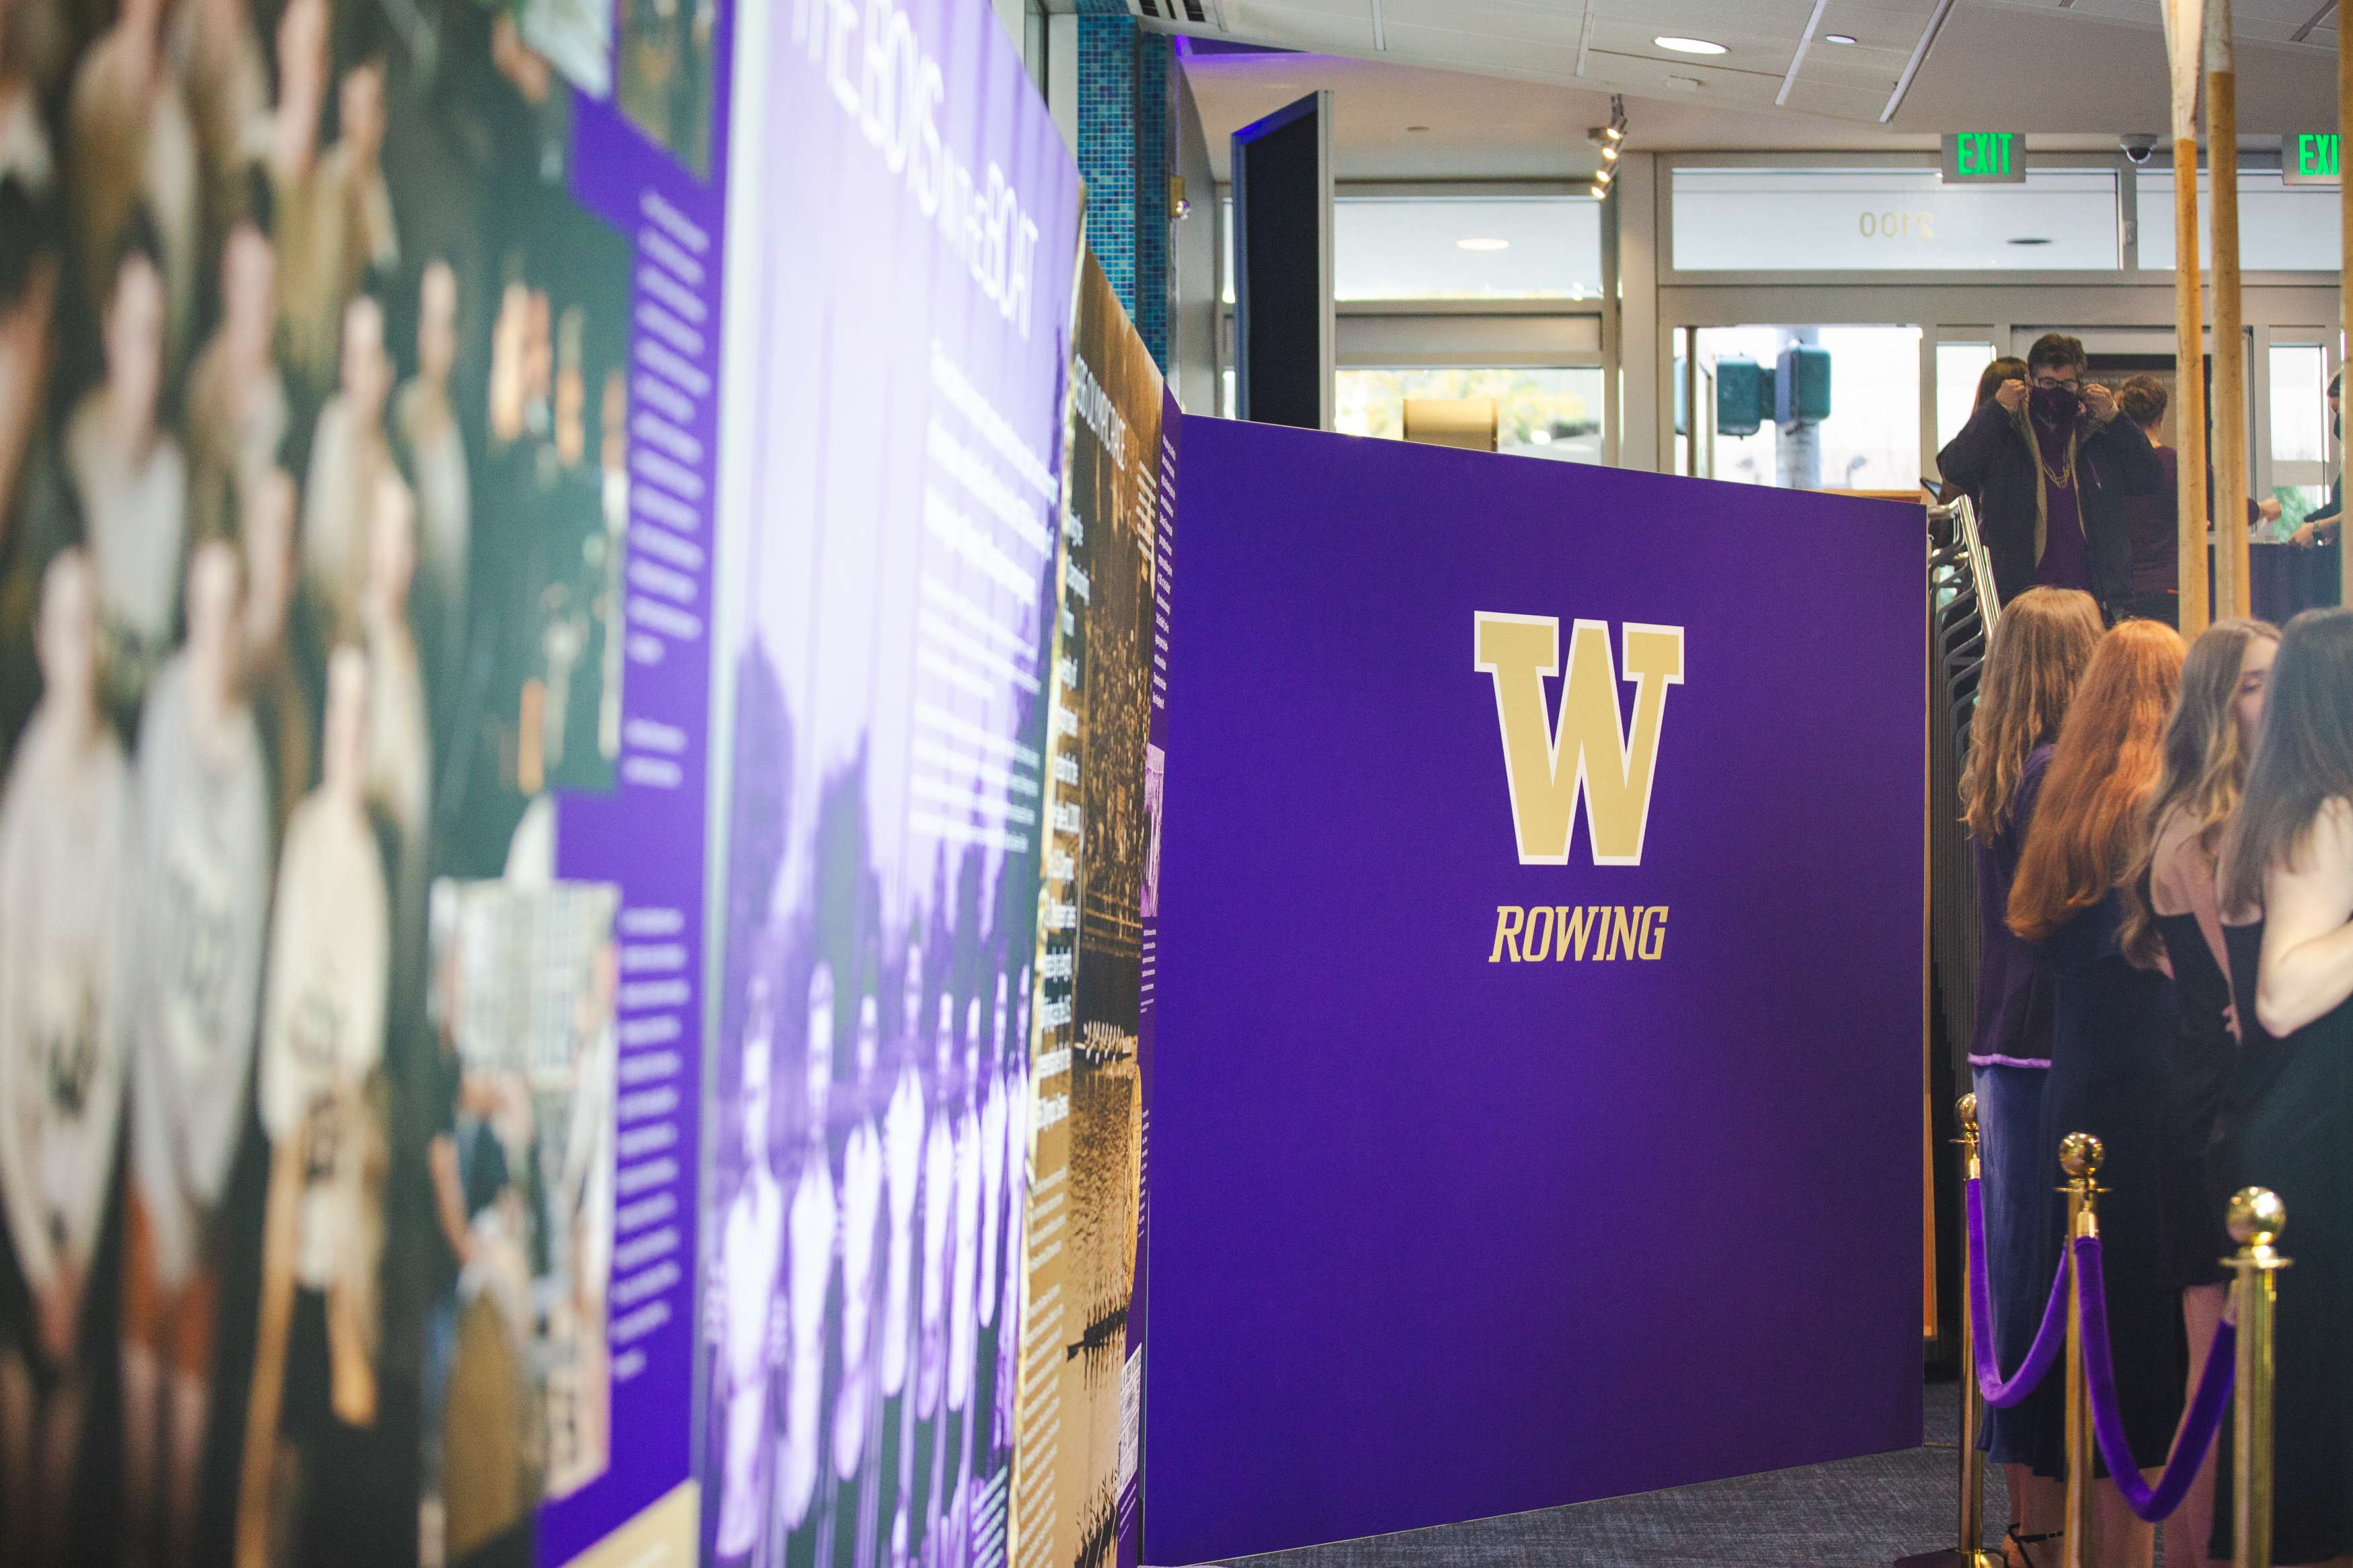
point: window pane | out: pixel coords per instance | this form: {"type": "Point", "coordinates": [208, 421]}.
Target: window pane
{"type": "Point", "coordinates": [2299, 404]}
{"type": "Point", "coordinates": [1871, 440]}
{"type": "Point", "coordinates": [1540, 413]}
{"type": "Point", "coordinates": [1424, 247]}
{"type": "Point", "coordinates": [1958, 367]}
{"type": "Point", "coordinates": [1892, 220]}
{"type": "Point", "coordinates": [2281, 228]}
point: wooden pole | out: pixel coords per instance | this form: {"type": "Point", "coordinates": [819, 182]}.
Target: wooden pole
{"type": "Point", "coordinates": [2230, 587]}
{"type": "Point", "coordinates": [2190, 388]}
{"type": "Point", "coordinates": [2184, 35]}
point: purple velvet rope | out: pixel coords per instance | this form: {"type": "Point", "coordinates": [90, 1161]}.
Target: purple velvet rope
{"type": "Point", "coordinates": [2197, 1431]}
{"type": "Point", "coordinates": [1999, 1393]}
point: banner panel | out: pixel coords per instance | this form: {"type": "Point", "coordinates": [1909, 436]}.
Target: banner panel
{"type": "Point", "coordinates": [903, 272]}
{"type": "Point", "coordinates": [1081, 1342]}
{"type": "Point", "coordinates": [1544, 1118]}
{"type": "Point", "coordinates": [357, 441]}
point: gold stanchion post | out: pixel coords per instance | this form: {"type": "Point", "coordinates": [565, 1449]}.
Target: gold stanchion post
{"type": "Point", "coordinates": [2256, 1218]}
{"type": "Point", "coordinates": [1970, 1552]}
{"type": "Point", "coordinates": [2080, 1154]}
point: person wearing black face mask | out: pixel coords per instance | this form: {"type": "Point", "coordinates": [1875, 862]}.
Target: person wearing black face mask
{"type": "Point", "coordinates": [2053, 466]}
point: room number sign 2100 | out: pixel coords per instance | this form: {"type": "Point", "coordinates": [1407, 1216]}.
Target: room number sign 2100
{"type": "Point", "coordinates": [1897, 225]}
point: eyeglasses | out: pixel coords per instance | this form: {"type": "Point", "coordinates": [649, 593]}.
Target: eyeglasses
{"type": "Point", "coordinates": [2056, 384]}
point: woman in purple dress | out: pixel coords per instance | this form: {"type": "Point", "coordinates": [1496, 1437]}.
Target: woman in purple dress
{"type": "Point", "coordinates": [2041, 647]}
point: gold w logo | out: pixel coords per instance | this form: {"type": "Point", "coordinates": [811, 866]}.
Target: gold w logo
{"type": "Point", "coordinates": [1591, 752]}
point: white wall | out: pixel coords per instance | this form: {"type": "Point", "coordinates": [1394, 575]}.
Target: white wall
{"type": "Point", "coordinates": [1194, 248]}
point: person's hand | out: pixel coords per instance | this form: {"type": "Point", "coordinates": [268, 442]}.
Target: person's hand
{"type": "Point", "coordinates": [2268, 508]}
{"type": "Point", "coordinates": [2010, 395]}
{"type": "Point", "coordinates": [2100, 401]}
{"type": "Point", "coordinates": [2303, 538]}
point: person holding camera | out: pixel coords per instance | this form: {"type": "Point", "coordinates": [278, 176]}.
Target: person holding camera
{"type": "Point", "coordinates": [2052, 468]}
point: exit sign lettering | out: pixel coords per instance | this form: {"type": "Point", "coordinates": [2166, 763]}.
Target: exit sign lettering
{"type": "Point", "coordinates": [1985, 158]}
{"type": "Point", "coordinates": [2311, 158]}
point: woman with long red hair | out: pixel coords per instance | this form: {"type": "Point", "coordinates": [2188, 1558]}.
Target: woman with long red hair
{"type": "Point", "coordinates": [2110, 1022]}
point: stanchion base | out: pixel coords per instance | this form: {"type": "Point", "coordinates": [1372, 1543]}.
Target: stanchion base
{"type": "Point", "coordinates": [1951, 1557]}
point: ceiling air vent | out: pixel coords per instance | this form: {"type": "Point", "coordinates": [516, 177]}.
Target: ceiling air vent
{"type": "Point", "coordinates": [1196, 12]}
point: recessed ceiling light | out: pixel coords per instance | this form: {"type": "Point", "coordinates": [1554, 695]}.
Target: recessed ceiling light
{"type": "Point", "coordinates": [1481, 243]}
{"type": "Point", "coordinates": [1688, 46]}
{"type": "Point", "coordinates": [1838, 37]}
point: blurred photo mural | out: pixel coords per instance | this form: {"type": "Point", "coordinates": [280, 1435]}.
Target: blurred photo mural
{"type": "Point", "coordinates": [357, 430]}
{"type": "Point", "coordinates": [394, 575]}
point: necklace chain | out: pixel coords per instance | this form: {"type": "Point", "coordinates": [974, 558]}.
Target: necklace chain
{"type": "Point", "coordinates": [2061, 478]}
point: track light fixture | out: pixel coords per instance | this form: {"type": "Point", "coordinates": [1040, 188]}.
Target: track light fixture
{"type": "Point", "coordinates": [1610, 139]}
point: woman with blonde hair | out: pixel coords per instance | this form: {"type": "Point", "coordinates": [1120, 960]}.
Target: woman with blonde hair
{"type": "Point", "coordinates": [2287, 858]}
{"type": "Point", "coordinates": [2173, 920]}
{"type": "Point", "coordinates": [2041, 646]}
{"type": "Point", "coordinates": [2106, 1013]}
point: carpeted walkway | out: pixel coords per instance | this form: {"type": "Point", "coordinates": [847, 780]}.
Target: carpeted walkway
{"type": "Point", "coordinates": [1858, 1513]}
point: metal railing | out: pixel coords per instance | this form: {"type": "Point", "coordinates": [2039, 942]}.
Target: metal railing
{"type": "Point", "coordinates": [1962, 613]}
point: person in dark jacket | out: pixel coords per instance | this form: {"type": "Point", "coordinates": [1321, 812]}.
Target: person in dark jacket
{"type": "Point", "coordinates": [2152, 521]}
{"type": "Point", "coordinates": [2052, 467]}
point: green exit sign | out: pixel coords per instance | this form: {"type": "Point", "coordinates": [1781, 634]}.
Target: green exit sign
{"type": "Point", "coordinates": [1985, 158]}
{"type": "Point", "coordinates": [2310, 158]}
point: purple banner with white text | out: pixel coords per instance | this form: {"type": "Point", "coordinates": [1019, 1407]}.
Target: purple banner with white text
{"type": "Point", "coordinates": [901, 272]}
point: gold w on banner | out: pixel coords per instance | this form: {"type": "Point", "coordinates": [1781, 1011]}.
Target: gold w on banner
{"type": "Point", "coordinates": [1591, 752]}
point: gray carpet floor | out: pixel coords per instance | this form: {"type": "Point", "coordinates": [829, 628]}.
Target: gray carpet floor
{"type": "Point", "coordinates": [1857, 1513]}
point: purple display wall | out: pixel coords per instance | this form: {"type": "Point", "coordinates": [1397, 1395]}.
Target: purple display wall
{"type": "Point", "coordinates": [1437, 1233]}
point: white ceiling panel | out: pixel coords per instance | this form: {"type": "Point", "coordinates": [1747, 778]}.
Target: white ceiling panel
{"type": "Point", "coordinates": [2263, 21]}
{"type": "Point", "coordinates": [1815, 97]}
{"type": "Point", "coordinates": [2089, 70]}
{"type": "Point", "coordinates": [1674, 77]}
{"type": "Point", "coordinates": [1521, 59]}
{"type": "Point", "coordinates": [1764, 41]}
{"type": "Point", "coordinates": [2041, 69]}
{"type": "Point", "coordinates": [1486, 23]}
{"type": "Point", "coordinates": [1319, 27]}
